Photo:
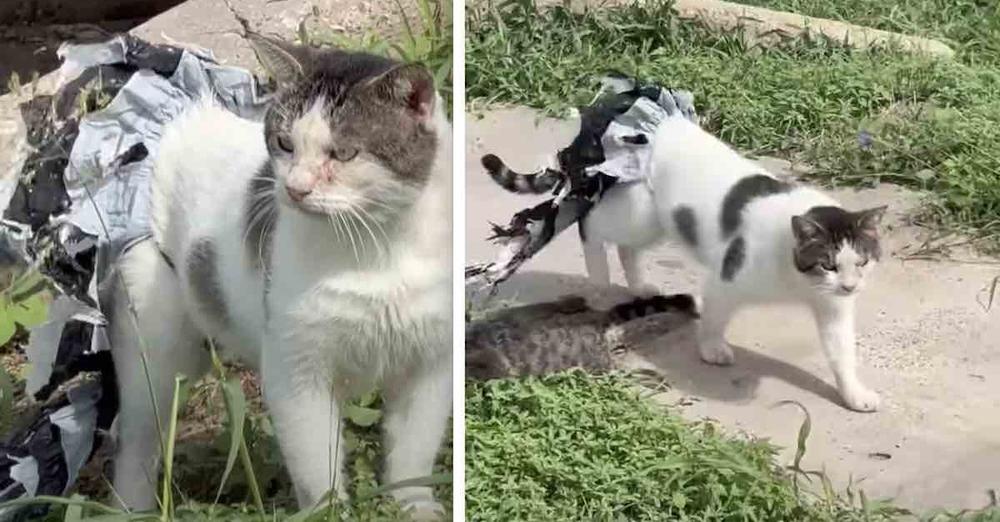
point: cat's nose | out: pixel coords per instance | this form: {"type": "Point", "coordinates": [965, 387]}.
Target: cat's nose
{"type": "Point", "coordinates": [848, 287]}
{"type": "Point", "coordinates": [296, 194]}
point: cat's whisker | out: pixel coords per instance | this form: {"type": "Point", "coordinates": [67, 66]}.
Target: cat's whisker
{"type": "Point", "coordinates": [261, 215]}
{"type": "Point", "coordinates": [354, 223]}
{"type": "Point", "coordinates": [333, 225]}
{"type": "Point", "coordinates": [354, 245]}
{"type": "Point", "coordinates": [378, 225]}
{"type": "Point", "coordinates": [338, 229]}
{"type": "Point", "coordinates": [371, 233]}
{"type": "Point", "coordinates": [375, 203]}
{"type": "Point", "coordinates": [262, 220]}
{"type": "Point", "coordinates": [353, 218]}
{"type": "Point", "coordinates": [345, 221]}
{"type": "Point", "coordinates": [265, 232]}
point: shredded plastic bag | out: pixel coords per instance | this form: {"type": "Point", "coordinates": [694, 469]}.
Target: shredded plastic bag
{"type": "Point", "coordinates": [614, 145]}
{"type": "Point", "coordinates": [81, 199]}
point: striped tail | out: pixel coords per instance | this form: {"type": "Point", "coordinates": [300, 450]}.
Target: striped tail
{"type": "Point", "coordinates": [643, 306]}
{"type": "Point", "coordinates": [534, 183]}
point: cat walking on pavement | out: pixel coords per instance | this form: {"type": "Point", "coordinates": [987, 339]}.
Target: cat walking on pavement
{"type": "Point", "coordinates": [762, 240]}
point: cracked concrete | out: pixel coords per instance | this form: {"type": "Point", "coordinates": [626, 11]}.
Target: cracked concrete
{"type": "Point", "coordinates": [927, 342]}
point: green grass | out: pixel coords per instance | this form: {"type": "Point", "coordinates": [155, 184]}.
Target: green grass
{"type": "Point", "coordinates": [425, 36]}
{"type": "Point", "coordinates": [197, 467]}
{"type": "Point", "coordinates": [571, 446]}
{"type": "Point", "coordinates": [935, 124]}
{"type": "Point", "coordinates": [971, 27]}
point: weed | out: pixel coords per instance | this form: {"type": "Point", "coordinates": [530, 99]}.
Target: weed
{"type": "Point", "coordinates": [426, 38]}
{"type": "Point", "coordinates": [572, 446]}
{"type": "Point", "coordinates": [971, 26]}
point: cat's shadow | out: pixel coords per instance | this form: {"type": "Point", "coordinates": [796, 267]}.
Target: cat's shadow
{"type": "Point", "coordinates": [674, 354]}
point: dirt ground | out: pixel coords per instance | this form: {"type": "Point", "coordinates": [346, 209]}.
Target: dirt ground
{"type": "Point", "coordinates": [928, 344]}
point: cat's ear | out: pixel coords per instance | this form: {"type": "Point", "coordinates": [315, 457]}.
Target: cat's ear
{"type": "Point", "coordinates": [410, 86]}
{"type": "Point", "coordinates": [285, 62]}
{"type": "Point", "coordinates": [805, 229]}
{"type": "Point", "coordinates": [869, 220]}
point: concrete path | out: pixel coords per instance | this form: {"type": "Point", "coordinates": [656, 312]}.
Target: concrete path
{"type": "Point", "coordinates": [928, 344]}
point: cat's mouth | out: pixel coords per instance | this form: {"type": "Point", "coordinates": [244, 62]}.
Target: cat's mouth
{"type": "Point", "coordinates": [338, 209]}
{"type": "Point", "coordinates": [315, 202]}
{"type": "Point", "coordinates": [305, 204]}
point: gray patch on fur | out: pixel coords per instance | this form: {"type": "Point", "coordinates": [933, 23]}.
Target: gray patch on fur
{"type": "Point", "coordinates": [260, 210]}
{"type": "Point", "coordinates": [732, 261]}
{"type": "Point", "coordinates": [820, 232]}
{"type": "Point", "coordinates": [687, 224]}
{"type": "Point", "coordinates": [741, 194]}
{"type": "Point", "coordinates": [203, 277]}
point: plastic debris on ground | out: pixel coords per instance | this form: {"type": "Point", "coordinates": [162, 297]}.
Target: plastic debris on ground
{"type": "Point", "coordinates": [614, 145]}
{"type": "Point", "coordinates": [79, 200]}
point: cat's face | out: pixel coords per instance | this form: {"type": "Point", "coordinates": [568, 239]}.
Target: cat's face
{"type": "Point", "coordinates": [348, 133]}
{"type": "Point", "coordinates": [837, 249]}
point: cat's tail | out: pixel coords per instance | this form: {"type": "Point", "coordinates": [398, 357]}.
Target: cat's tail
{"type": "Point", "coordinates": [532, 183]}
{"type": "Point", "coordinates": [644, 306]}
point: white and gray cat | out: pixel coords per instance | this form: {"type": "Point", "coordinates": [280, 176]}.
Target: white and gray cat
{"type": "Point", "coordinates": [762, 240]}
{"type": "Point", "coordinates": [315, 247]}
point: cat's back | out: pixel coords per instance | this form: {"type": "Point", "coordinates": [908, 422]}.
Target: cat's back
{"type": "Point", "coordinates": [537, 339]}
{"type": "Point", "coordinates": [693, 173]}
{"type": "Point", "coordinates": [204, 172]}
{"type": "Point", "coordinates": [694, 168]}
{"type": "Point", "coordinates": [206, 158]}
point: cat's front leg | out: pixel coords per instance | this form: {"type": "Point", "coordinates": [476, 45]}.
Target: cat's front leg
{"type": "Point", "coordinates": [632, 266]}
{"type": "Point", "coordinates": [717, 310]}
{"type": "Point", "coordinates": [835, 320]}
{"type": "Point", "coordinates": [150, 349]}
{"type": "Point", "coordinates": [307, 422]}
{"type": "Point", "coordinates": [596, 259]}
{"type": "Point", "coordinates": [418, 403]}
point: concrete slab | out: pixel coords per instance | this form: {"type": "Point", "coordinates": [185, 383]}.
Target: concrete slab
{"type": "Point", "coordinates": [769, 27]}
{"type": "Point", "coordinates": [928, 345]}
{"type": "Point", "coordinates": [211, 24]}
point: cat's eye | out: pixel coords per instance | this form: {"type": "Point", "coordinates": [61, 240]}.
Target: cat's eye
{"type": "Point", "coordinates": [285, 143]}
{"type": "Point", "coordinates": [828, 266]}
{"type": "Point", "coordinates": [344, 154]}
{"type": "Point", "coordinates": [862, 262]}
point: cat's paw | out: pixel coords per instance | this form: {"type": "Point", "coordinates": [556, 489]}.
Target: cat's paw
{"type": "Point", "coordinates": [717, 353]}
{"type": "Point", "coordinates": [424, 511]}
{"type": "Point", "coordinates": [859, 398]}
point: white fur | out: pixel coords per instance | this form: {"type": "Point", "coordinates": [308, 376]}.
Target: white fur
{"type": "Point", "coordinates": [350, 306]}
{"type": "Point", "coordinates": [693, 168]}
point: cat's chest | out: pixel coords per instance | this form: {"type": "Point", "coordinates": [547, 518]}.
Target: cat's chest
{"type": "Point", "coordinates": [399, 309]}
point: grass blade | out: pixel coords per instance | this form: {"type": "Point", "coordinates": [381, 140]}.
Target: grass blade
{"type": "Point", "coordinates": [804, 429]}
{"type": "Point", "coordinates": [236, 411]}
{"type": "Point", "coordinates": [166, 500]}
